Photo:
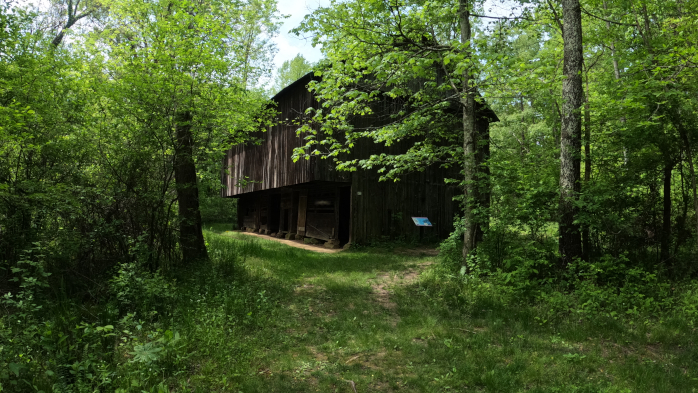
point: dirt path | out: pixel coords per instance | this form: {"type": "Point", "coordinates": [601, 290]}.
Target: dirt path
{"type": "Point", "coordinates": [385, 284]}
{"type": "Point", "coordinates": [347, 325]}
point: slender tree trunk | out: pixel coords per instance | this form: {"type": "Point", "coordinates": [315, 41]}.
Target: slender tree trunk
{"type": "Point", "coordinates": [680, 227]}
{"type": "Point", "coordinates": [616, 74]}
{"type": "Point", "coordinates": [482, 188]}
{"type": "Point", "coordinates": [587, 135]}
{"type": "Point", "coordinates": [469, 139]}
{"type": "Point", "coordinates": [665, 239]}
{"type": "Point", "coordinates": [586, 235]}
{"type": "Point", "coordinates": [616, 70]}
{"type": "Point", "coordinates": [191, 236]}
{"type": "Point", "coordinates": [59, 38]}
{"type": "Point", "coordinates": [691, 170]}
{"type": "Point", "coordinates": [73, 18]}
{"type": "Point", "coordinates": [522, 142]}
{"type": "Point", "coordinates": [246, 64]}
{"type": "Point", "coordinates": [570, 245]}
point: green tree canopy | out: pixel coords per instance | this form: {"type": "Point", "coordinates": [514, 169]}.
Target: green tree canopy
{"type": "Point", "coordinates": [290, 71]}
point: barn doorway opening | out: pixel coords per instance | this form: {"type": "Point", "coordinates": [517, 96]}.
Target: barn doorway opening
{"type": "Point", "coordinates": [274, 213]}
{"type": "Point", "coordinates": [285, 220]}
{"type": "Point", "coordinates": [344, 215]}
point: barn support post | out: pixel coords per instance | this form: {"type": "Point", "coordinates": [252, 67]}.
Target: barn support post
{"type": "Point", "coordinates": [302, 207]}
{"type": "Point", "coordinates": [294, 211]}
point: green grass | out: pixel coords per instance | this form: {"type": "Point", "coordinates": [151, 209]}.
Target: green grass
{"type": "Point", "coordinates": [265, 317]}
{"type": "Point", "coordinates": [218, 227]}
{"type": "Point", "coordinates": [290, 320]}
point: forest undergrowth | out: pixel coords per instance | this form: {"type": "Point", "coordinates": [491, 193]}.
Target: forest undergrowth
{"type": "Point", "coordinates": [264, 317]}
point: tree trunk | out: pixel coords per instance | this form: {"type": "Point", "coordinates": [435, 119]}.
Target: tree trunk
{"type": "Point", "coordinates": [570, 245]}
{"type": "Point", "coordinates": [73, 18]}
{"type": "Point", "coordinates": [691, 170]}
{"type": "Point", "coordinates": [59, 37]}
{"type": "Point", "coordinates": [586, 235]}
{"type": "Point", "coordinates": [482, 188]}
{"type": "Point", "coordinates": [665, 251]}
{"type": "Point", "coordinates": [469, 140]}
{"type": "Point", "coordinates": [616, 74]}
{"type": "Point", "coordinates": [680, 225]}
{"type": "Point", "coordinates": [191, 236]}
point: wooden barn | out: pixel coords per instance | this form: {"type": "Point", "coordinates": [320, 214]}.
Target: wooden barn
{"type": "Point", "coordinates": [311, 199]}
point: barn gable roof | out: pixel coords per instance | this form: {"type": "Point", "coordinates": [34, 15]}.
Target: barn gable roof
{"type": "Point", "coordinates": [302, 81]}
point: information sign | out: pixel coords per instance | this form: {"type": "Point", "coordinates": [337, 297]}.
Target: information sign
{"type": "Point", "coordinates": [421, 221]}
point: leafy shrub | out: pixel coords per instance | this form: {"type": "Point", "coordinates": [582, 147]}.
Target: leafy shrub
{"type": "Point", "coordinates": [31, 276]}
{"type": "Point", "coordinates": [522, 263]}
{"type": "Point", "coordinates": [527, 269]}
{"type": "Point", "coordinates": [451, 249]}
{"type": "Point", "coordinates": [687, 303]}
{"type": "Point", "coordinates": [145, 357]}
{"type": "Point", "coordinates": [45, 354]}
{"type": "Point", "coordinates": [612, 285]}
{"type": "Point", "coordinates": [137, 289]}
{"type": "Point", "coordinates": [215, 209]}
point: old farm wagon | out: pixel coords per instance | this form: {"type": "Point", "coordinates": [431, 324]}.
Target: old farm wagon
{"type": "Point", "coordinates": [311, 199]}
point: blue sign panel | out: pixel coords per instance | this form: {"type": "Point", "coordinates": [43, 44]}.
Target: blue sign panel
{"type": "Point", "coordinates": [421, 221]}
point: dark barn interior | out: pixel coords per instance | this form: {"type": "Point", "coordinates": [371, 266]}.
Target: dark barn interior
{"type": "Point", "coordinates": [316, 210]}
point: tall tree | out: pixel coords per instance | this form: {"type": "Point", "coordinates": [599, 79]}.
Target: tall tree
{"type": "Point", "coordinates": [256, 49]}
{"type": "Point", "coordinates": [570, 141]}
{"type": "Point", "coordinates": [418, 57]}
{"type": "Point", "coordinates": [179, 71]}
{"type": "Point", "coordinates": [290, 71]}
{"type": "Point", "coordinates": [191, 237]}
{"type": "Point", "coordinates": [470, 142]}
{"type": "Point", "coordinates": [73, 11]}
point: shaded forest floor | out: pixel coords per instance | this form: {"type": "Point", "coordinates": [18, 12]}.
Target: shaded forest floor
{"type": "Point", "coordinates": [371, 320]}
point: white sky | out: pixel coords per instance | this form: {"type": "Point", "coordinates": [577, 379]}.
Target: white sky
{"type": "Point", "coordinates": [288, 44]}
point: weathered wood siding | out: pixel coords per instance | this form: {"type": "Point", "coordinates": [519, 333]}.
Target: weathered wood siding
{"type": "Point", "coordinates": [310, 198]}
{"type": "Point", "coordinates": [384, 209]}
{"type": "Point", "coordinates": [270, 165]}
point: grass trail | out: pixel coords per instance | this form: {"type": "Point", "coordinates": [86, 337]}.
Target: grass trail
{"type": "Point", "coordinates": [366, 321]}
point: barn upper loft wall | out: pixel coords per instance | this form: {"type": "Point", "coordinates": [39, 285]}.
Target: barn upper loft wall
{"type": "Point", "coordinates": [268, 165]}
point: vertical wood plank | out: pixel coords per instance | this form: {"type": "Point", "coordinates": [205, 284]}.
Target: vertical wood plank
{"type": "Point", "coordinates": [302, 207]}
{"type": "Point", "coordinates": [335, 232]}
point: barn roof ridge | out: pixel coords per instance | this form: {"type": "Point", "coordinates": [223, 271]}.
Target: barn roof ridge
{"type": "Point", "coordinates": [303, 79]}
